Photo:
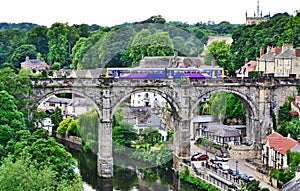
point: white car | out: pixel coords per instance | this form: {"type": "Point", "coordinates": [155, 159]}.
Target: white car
{"type": "Point", "coordinates": [223, 158]}
{"type": "Point", "coordinates": [223, 166]}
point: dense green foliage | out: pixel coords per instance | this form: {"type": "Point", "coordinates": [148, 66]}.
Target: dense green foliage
{"type": "Point", "coordinates": [69, 126]}
{"type": "Point", "coordinates": [88, 130]}
{"type": "Point", "coordinates": [22, 175]}
{"type": "Point", "coordinates": [124, 45]}
{"type": "Point", "coordinates": [28, 155]}
{"type": "Point", "coordinates": [200, 184]}
{"type": "Point", "coordinates": [226, 106]}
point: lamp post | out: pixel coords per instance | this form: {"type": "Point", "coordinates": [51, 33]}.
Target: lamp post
{"type": "Point", "coordinates": [206, 145]}
{"type": "Point", "coordinates": [236, 168]}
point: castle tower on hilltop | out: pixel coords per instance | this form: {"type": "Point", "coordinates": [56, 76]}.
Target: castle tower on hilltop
{"type": "Point", "coordinates": [257, 18]}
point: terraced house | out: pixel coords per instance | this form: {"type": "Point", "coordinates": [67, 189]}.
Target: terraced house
{"type": "Point", "coordinates": [279, 61]}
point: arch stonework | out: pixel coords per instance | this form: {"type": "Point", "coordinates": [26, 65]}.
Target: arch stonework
{"type": "Point", "coordinates": [182, 94]}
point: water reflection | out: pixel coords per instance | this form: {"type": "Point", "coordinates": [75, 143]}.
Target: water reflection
{"type": "Point", "coordinates": [126, 179]}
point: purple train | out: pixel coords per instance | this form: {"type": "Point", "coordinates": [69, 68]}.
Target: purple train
{"type": "Point", "coordinates": [202, 72]}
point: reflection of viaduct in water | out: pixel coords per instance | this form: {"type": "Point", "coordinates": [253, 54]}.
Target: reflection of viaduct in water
{"type": "Point", "coordinates": [260, 98]}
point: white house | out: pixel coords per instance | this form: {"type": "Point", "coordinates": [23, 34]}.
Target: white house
{"type": "Point", "coordinates": [69, 107]}
{"type": "Point", "coordinates": [78, 106]}
{"type": "Point", "coordinates": [147, 99]}
{"type": "Point", "coordinates": [274, 150]}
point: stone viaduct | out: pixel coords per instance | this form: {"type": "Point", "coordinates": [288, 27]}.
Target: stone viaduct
{"type": "Point", "coordinates": [260, 98]}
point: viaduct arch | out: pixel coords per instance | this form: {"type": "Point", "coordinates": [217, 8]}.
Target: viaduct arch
{"type": "Point", "coordinates": [260, 97]}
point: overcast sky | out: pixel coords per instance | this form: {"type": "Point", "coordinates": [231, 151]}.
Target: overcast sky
{"type": "Point", "coordinates": [114, 12]}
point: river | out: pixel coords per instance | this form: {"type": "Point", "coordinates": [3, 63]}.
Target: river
{"type": "Point", "coordinates": [126, 179]}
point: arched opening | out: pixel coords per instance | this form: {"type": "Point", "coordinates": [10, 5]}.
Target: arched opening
{"type": "Point", "coordinates": [147, 110]}
{"type": "Point", "coordinates": [223, 133]}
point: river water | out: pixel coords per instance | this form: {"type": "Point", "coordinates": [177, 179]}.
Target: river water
{"type": "Point", "coordinates": [126, 179]}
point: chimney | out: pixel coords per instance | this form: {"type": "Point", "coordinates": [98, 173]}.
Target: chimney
{"type": "Point", "coordinates": [297, 174]}
{"type": "Point", "coordinates": [298, 140]}
{"type": "Point", "coordinates": [277, 50]}
{"type": "Point", "coordinates": [297, 52]}
{"type": "Point", "coordinates": [261, 51]}
{"type": "Point", "coordinates": [269, 49]}
{"type": "Point", "coordinates": [27, 59]}
{"type": "Point", "coordinates": [175, 53]}
{"type": "Point", "coordinates": [213, 62]}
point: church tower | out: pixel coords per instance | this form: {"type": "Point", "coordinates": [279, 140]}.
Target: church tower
{"type": "Point", "coordinates": [257, 18]}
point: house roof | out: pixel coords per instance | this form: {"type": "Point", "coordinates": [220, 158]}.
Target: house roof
{"type": "Point", "coordinates": [54, 99]}
{"type": "Point", "coordinates": [80, 102]}
{"type": "Point", "coordinates": [95, 73]}
{"type": "Point", "coordinates": [269, 57]}
{"type": "Point", "coordinates": [227, 132]}
{"type": "Point", "coordinates": [81, 73]}
{"type": "Point", "coordinates": [279, 143]}
{"type": "Point", "coordinates": [296, 148]}
{"type": "Point", "coordinates": [221, 130]}
{"type": "Point", "coordinates": [203, 119]}
{"type": "Point", "coordinates": [249, 66]}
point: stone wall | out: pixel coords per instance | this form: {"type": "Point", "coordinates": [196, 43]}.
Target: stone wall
{"type": "Point", "coordinates": [243, 152]}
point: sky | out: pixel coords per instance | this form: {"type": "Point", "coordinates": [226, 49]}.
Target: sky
{"type": "Point", "coordinates": [114, 12]}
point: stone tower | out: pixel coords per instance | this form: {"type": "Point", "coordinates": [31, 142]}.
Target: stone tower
{"type": "Point", "coordinates": [257, 17]}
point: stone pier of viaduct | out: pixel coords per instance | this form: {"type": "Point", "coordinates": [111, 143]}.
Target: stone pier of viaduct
{"type": "Point", "coordinates": [260, 98]}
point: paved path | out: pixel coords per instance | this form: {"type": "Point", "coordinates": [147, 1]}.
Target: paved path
{"type": "Point", "coordinates": [232, 164]}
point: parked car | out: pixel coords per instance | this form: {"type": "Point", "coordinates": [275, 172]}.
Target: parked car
{"type": "Point", "coordinates": [200, 157]}
{"type": "Point", "coordinates": [243, 176]}
{"type": "Point", "coordinates": [249, 179]}
{"type": "Point", "coordinates": [223, 166]}
{"type": "Point", "coordinates": [223, 158]}
{"type": "Point", "coordinates": [233, 172]}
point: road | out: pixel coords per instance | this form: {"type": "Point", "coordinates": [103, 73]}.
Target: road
{"type": "Point", "coordinates": [232, 163]}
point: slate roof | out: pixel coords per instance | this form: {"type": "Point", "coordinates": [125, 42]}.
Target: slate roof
{"type": "Point", "coordinates": [55, 99]}
{"type": "Point", "coordinates": [269, 56]}
{"type": "Point", "coordinates": [289, 53]}
{"type": "Point", "coordinates": [95, 73]}
{"type": "Point", "coordinates": [296, 148]}
{"type": "Point", "coordinates": [81, 73]}
{"type": "Point", "coordinates": [221, 130]}
{"type": "Point", "coordinates": [80, 102]}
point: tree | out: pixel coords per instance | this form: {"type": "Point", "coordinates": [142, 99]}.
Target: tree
{"type": "Point", "coordinates": [9, 114]}
{"type": "Point", "coordinates": [151, 135]}
{"type": "Point", "coordinates": [123, 134]}
{"type": "Point", "coordinates": [284, 111]}
{"type": "Point", "coordinates": [19, 86]}
{"type": "Point", "coordinates": [220, 52]}
{"type": "Point", "coordinates": [49, 153]}
{"type": "Point", "coordinates": [88, 130]}
{"type": "Point", "coordinates": [21, 53]}
{"type": "Point", "coordinates": [37, 36]}
{"type": "Point", "coordinates": [23, 175]}
{"type": "Point", "coordinates": [58, 43]}
{"type": "Point", "coordinates": [291, 127]}
{"type": "Point", "coordinates": [56, 117]}
{"type": "Point", "coordinates": [68, 125]}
